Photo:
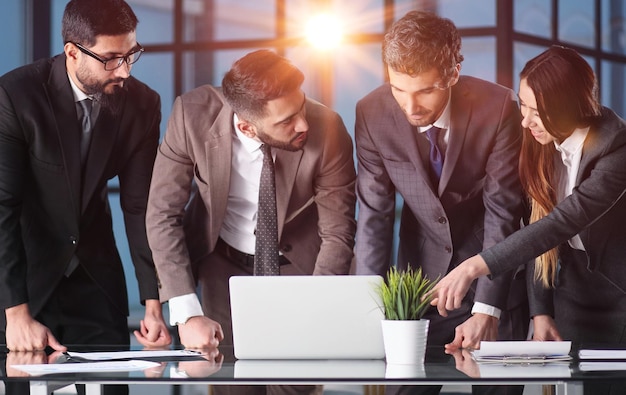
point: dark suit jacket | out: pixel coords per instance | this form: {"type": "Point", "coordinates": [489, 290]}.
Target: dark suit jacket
{"type": "Point", "coordinates": [596, 210]}
{"type": "Point", "coordinates": [46, 213]}
{"type": "Point", "coordinates": [478, 201]}
{"type": "Point", "coordinates": [314, 191]}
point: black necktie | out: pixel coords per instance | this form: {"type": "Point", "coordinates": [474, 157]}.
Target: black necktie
{"type": "Point", "coordinates": [85, 119]}
{"type": "Point", "coordinates": [436, 153]}
{"type": "Point", "coordinates": [266, 251]}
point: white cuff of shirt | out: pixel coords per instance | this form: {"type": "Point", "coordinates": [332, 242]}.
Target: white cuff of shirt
{"type": "Point", "coordinates": [183, 308]}
{"type": "Point", "coordinates": [486, 309]}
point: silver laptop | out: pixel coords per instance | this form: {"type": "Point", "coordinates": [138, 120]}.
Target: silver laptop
{"type": "Point", "coordinates": [306, 317]}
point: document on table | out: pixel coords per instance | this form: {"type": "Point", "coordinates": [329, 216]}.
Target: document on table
{"type": "Point", "coordinates": [523, 351]}
{"type": "Point", "coordinates": [126, 355]}
{"type": "Point", "coordinates": [598, 359]}
{"type": "Point", "coordinates": [610, 354]}
{"type": "Point", "coordinates": [601, 366]}
{"type": "Point", "coordinates": [92, 367]}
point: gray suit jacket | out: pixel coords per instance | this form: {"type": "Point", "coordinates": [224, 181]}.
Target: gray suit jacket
{"type": "Point", "coordinates": [478, 201]}
{"type": "Point", "coordinates": [315, 191]}
{"type": "Point", "coordinates": [596, 210]}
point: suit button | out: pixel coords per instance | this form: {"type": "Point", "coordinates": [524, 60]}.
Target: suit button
{"type": "Point", "coordinates": [73, 240]}
{"type": "Point", "coordinates": [286, 248]}
{"type": "Point", "coordinates": [448, 249]}
{"type": "Point", "coordinates": [442, 220]}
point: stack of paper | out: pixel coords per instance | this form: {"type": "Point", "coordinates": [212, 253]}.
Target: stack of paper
{"type": "Point", "coordinates": [602, 359]}
{"type": "Point", "coordinates": [524, 352]}
{"type": "Point", "coordinates": [611, 354]}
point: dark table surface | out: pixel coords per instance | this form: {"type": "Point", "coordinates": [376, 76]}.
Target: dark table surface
{"type": "Point", "coordinates": [220, 367]}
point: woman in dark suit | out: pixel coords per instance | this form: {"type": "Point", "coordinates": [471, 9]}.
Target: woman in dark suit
{"type": "Point", "coordinates": [572, 169]}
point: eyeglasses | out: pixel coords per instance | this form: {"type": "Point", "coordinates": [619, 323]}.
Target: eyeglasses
{"type": "Point", "coordinates": [114, 63]}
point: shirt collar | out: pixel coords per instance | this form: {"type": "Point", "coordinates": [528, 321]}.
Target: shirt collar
{"type": "Point", "coordinates": [443, 122]}
{"type": "Point", "coordinates": [573, 143]}
{"type": "Point", "coordinates": [248, 143]}
{"type": "Point", "coordinates": [78, 94]}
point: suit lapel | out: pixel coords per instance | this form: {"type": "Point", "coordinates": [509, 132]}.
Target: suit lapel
{"type": "Point", "coordinates": [459, 123]}
{"type": "Point", "coordinates": [287, 164]}
{"type": "Point", "coordinates": [60, 94]}
{"type": "Point", "coordinates": [219, 161]}
{"type": "Point", "coordinates": [406, 134]}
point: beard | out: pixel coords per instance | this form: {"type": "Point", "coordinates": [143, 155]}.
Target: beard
{"type": "Point", "coordinates": [292, 145]}
{"type": "Point", "coordinates": [109, 102]}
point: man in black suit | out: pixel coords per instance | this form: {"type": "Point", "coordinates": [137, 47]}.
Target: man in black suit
{"type": "Point", "coordinates": [61, 276]}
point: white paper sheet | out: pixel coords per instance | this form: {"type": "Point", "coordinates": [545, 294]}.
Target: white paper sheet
{"type": "Point", "coordinates": [93, 367]}
{"type": "Point", "coordinates": [144, 354]}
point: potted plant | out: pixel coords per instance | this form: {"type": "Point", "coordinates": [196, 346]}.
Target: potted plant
{"type": "Point", "coordinates": [404, 302]}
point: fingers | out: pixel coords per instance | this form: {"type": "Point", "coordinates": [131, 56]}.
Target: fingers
{"type": "Point", "coordinates": [55, 344]}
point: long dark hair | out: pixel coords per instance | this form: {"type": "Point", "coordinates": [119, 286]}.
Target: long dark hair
{"type": "Point", "coordinates": [566, 91]}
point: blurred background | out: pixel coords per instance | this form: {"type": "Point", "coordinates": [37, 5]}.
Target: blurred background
{"type": "Point", "coordinates": [337, 43]}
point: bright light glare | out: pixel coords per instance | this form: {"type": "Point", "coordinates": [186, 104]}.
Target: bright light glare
{"type": "Point", "coordinates": [324, 31]}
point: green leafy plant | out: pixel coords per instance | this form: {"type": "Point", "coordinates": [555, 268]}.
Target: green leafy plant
{"type": "Point", "coordinates": [403, 294]}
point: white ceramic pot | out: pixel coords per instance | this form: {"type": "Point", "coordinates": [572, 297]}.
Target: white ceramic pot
{"type": "Point", "coordinates": [405, 341]}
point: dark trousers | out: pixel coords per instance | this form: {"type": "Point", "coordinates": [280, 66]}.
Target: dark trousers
{"type": "Point", "coordinates": [590, 310]}
{"type": "Point", "coordinates": [79, 314]}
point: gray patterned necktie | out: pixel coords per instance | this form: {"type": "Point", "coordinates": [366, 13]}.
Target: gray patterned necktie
{"type": "Point", "coordinates": [266, 251]}
{"type": "Point", "coordinates": [86, 124]}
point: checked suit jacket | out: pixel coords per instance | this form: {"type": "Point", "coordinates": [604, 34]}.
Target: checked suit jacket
{"type": "Point", "coordinates": [477, 203]}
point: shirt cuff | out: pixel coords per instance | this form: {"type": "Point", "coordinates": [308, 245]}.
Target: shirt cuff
{"type": "Point", "coordinates": [183, 308]}
{"type": "Point", "coordinates": [486, 309]}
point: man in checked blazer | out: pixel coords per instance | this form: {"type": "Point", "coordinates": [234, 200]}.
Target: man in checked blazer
{"type": "Point", "coordinates": [475, 202]}
{"type": "Point", "coordinates": [213, 142]}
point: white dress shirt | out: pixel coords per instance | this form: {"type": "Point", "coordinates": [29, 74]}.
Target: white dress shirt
{"type": "Point", "coordinates": [241, 214]}
{"type": "Point", "coordinates": [571, 150]}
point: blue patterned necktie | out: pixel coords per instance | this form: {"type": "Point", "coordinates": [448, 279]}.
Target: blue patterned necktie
{"type": "Point", "coordinates": [436, 154]}
{"type": "Point", "coordinates": [266, 250]}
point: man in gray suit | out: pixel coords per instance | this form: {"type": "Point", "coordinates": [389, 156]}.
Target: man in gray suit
{"type": "Point", "coordinates": [461, 192]}
{"type": "Point", "coordinates": [213, 140]}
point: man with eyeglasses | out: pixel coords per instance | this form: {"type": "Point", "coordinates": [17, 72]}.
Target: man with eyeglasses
{"type": "Point", "coordinates": [448, 145]}
{"type": "Point", "coordinates": [69, 124]}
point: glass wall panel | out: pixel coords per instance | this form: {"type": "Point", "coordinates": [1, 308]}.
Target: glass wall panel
{"type": "Point", "coordinates": [404, 6]}
{"type": "Point", "coordinates": [359, 72]}
{"type": "Point", "coordinates": [198, 22]}
{"type": "Point", "coordinates": [156, 20]}
{"type": "Point", "coordinates": [13, 22]}
{"type": "Point", "coordinates": [355, 17]}
{"type": "Point", "coordinates": [612, 87]}
{"type": "Point", "coordinates": [242, 20]}
{"type": "Point", "coordinates": [466, 13]}
{"type": "Point", "coordinates": [522, 53]}
{"type": "Point", "coordinates": [614, 26]}
{"type": "Point", "coordinates": [56, 15]}
{"type": "Point", "coordinates": [533, 17]}
{"type": "Point", "coordinates": [480, 57]}
{"type": "Point", "coordinates": [157, 71]}
{"type": "Point", "coordinates": [576, 22]}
